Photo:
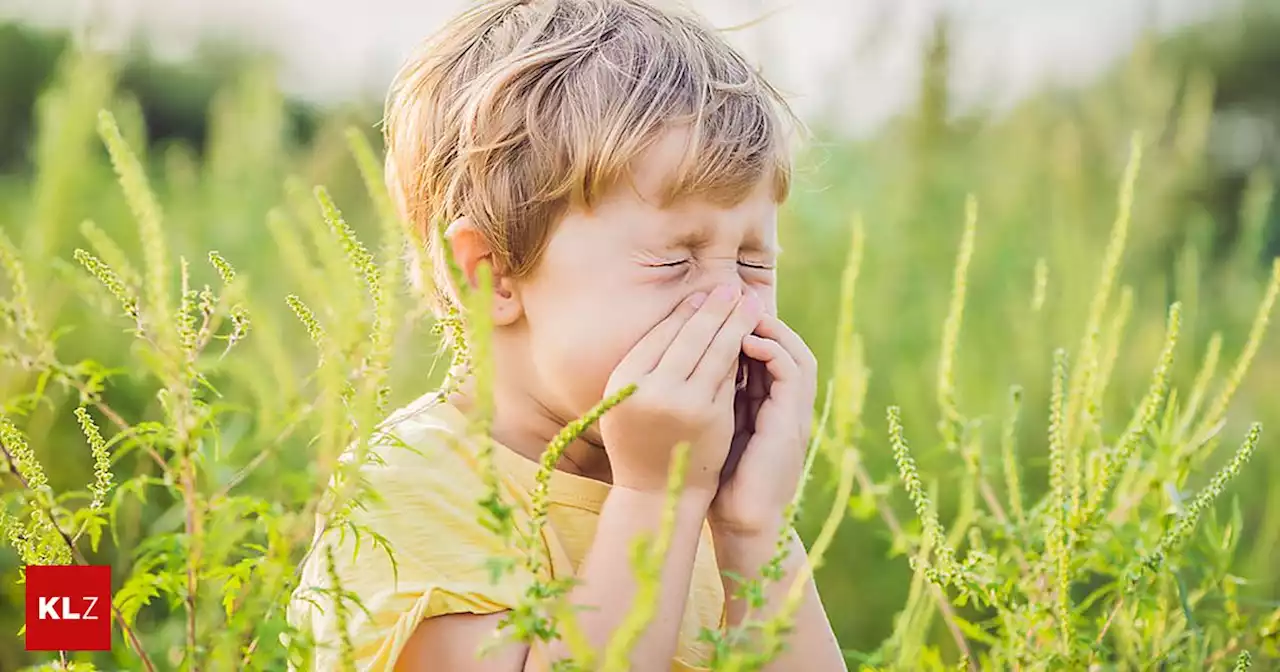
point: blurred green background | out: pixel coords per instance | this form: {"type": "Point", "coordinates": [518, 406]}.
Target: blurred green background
{"type": "Point", "coordinates": [224, 145]}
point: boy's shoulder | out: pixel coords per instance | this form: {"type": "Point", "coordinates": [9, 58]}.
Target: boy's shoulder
{"type": "Point", "coordinates": [418, 465]}
{"type": "Point", "coordinates": [429, 413]}
{"type": "Point", "coordinates": [428, 433]}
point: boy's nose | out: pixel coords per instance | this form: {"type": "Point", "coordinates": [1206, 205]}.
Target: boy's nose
{"type": "Point", "coordinates": [719, 273]}
{"type": "Point", "coordinates": [716, 272]}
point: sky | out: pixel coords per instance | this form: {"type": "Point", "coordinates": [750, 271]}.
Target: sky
{"type": "Point", "coordinates": [860, 57]}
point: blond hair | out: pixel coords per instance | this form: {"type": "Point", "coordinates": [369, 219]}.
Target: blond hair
{"type": "Point", "coordinates": [520, 109]}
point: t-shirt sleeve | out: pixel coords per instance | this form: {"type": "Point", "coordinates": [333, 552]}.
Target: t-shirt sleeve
{"type": "Point", "coordinates": [426, 515]}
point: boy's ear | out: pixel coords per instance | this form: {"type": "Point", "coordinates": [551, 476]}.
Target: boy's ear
{"type": "Point", "coordinates": [470, 249]}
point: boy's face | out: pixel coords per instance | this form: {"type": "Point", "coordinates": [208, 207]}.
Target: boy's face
{"type": "Point", "coordinates": [609, 276]}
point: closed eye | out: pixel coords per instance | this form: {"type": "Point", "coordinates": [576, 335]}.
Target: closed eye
{"type": "Point", "coordinates": [681, 262]}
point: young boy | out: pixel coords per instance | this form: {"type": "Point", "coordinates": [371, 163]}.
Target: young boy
{"type": "Point", "coordinates": [619, 168]}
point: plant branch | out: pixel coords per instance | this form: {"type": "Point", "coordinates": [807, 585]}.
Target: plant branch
{"type": "Point", "coordinates": [189, 498]}
{"type": "Point", "coordinates": [109, 413]}
{"type": "Point", "coordinates": [895, 528]}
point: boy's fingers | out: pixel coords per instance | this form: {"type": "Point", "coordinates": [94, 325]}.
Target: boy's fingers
{"type": "Point", "coordinates": [776, 330]}
{"type": "Point", "coordinates": [727, 388]}
{"type": "Point", "coordinates": [679, 361]}
{"type": "Point", "coordinates": [648, 351]}
{"type": "Point", "coordinates": [722, 357]}
{"type": "Point", "coordinates": [777, 361]}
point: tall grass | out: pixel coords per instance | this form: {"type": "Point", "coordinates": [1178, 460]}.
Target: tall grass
{"type": "Point", "coordinates": [196, 364]}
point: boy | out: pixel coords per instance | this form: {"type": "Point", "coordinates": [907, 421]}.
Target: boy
{"type": "Point", "coordinates": [618, 167]}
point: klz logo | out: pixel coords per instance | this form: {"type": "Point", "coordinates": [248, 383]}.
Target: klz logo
{"type": "Point", "coordinates": [68, 608]}
{"type": "Point", "coordinates": [49, 609]}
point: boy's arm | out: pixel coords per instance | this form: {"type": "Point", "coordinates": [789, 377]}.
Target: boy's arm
{"type": "Point", "coordinates": [605, 592]}
{"type": "Point", "coordinates": [811, 644]}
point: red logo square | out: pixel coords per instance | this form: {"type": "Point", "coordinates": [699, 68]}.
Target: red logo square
{"type": "Point", "coordinates": [68, 608]}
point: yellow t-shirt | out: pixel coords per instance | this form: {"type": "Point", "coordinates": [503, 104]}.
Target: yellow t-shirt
{"type": "Point", "coordinates": [428, 483]}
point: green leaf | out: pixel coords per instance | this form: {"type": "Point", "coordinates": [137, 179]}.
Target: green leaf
{"type": "Point", "coordinates": [1236, 525]}
{"type": "Point", "coordinates": [382, 542]}
{"type": "Point", "coordinates": [93, 527]}
{"type": "Point", "coordinates": [136, 593]}
{"type": "Point", "coordinates": [229, 590]}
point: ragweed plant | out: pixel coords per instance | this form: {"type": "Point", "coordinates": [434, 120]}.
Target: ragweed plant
{"type": "Point", "coordinates": [1088, 574]}
{"type": "Point", "coordinates": [222, 557]}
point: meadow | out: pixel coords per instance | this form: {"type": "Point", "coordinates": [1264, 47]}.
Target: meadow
{"type": "Point", "coordinates": [1046, 372]}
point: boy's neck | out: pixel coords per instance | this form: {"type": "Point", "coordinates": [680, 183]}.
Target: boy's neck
{"type": "Point", "coordinates": [525, 426]}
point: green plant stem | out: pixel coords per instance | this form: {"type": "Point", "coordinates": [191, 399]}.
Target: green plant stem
{"type": "Point", "coordinates": [865, 484]}
{"type": "Point", "coordinates": [191, 523]}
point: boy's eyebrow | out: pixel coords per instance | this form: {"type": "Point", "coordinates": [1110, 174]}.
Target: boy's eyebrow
{"type": "Point", "coordinates": [693, 240]}
{"type": "Point", "coordinates": [701, 238]}
{"type": "Point", "coordinates": [754, 243]}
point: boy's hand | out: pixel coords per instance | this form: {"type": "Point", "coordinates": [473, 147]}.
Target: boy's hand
{"type": "Point", "coordinates": [684, 369]}
{"type": "Point", "coordinates": [773, 417]}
